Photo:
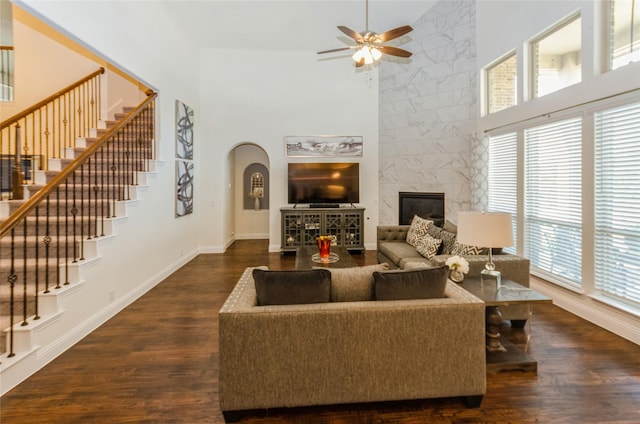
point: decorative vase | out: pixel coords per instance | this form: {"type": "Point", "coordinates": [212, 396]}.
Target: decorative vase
{"type": "Point", "coordinates": [256, 204]}
{"type": "Point", "coordinates": [456, 275]}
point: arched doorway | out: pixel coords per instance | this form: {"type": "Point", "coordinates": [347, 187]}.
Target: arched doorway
{"type": "Point", "coordinates": [250, 176]}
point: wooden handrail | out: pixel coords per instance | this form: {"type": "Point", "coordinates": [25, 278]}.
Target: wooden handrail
{"type": "Point", "coordinates": [49, 99]}
{"type": "Point", "coordinates": [6, 47]}
{"type": "Point", "coordinates": [42, 194]}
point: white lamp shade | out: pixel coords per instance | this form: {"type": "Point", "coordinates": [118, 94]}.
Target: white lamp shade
{"type": "Point", "coordinates": [485, 229]}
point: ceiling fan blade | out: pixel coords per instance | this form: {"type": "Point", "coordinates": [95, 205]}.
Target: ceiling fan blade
{"type": "Point", "coordinates": [338, 50]}
{"type": "Point", "coordinates": [395, 33]}
{"type": "Point", "coordinates": [351, 33]}
{"type": "Point", "coordinates": [394, 51]}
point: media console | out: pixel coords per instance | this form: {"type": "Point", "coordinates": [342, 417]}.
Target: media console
{"type": "Point", "coordinates": [301, 226]}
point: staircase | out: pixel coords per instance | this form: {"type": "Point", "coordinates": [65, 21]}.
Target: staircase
{"type": "Point", "coordinates": [47, 239]}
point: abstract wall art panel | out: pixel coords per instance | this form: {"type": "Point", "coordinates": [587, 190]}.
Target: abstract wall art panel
{"type": "Point", "coordinates": [184, 188]}
{"type": "Point", "coordinates": [184, 131]}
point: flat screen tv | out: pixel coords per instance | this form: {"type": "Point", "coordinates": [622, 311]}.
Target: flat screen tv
{"type": "Point", "coordinates": [324, 183]}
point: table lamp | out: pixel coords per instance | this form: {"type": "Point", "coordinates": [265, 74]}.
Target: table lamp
{"type": "Point", "coordinates": [486, 229]}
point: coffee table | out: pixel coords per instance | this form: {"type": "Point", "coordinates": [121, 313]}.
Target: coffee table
{"type": "Point", "coordinates": [501, 354]}
{"type": "Point", "coordinates": [304, 253]}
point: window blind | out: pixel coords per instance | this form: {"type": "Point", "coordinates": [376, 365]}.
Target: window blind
{"type": "Point", "coordinates": [502, 196]}
{"type": "Point", "coordinates": [553, 200]}
{"type": "Point", "coordinates": [617, 202]}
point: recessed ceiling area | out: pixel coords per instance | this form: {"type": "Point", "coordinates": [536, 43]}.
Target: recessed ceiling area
{"type": "Point", "coordinates": [286, 25]}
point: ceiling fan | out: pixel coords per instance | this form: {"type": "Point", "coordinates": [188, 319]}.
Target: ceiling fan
{"type": "Point", "coordinates": [370, 44]}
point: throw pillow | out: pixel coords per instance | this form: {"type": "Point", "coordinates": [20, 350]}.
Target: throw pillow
{"type": "Point", "coordinates": [292, 287]}
{"type": "Point", "coordinates": [354, 284]}
{"type": "Point", "coordinates": [428, 246]}
{"type": "Point", "coordinates": [448, 242]}
{"type": "Point", "coordinates": [417, 230]}
{"type": "Point", "coordinates": [465, 249]}
{"type": "Point", "coordinates": [416, 284]}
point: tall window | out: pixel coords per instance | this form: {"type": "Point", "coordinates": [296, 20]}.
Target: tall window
{"type": "Point", "coordinates": [557, 60]}
{"type": "Point", "coordinates": [502, 84]}
{"type": "Point", "coordinates": [553, 200]}
{"type": "Point", "coordinates": [503, 196]}
{"type": "Point", "coordinates": [617, 202]}
{"type": "Point", "coordinates": [624, 33]}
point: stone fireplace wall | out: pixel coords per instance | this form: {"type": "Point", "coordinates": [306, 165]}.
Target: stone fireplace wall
{"type": "Point", "coordinates": [428, 112]}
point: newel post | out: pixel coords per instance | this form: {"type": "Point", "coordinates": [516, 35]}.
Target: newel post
{"type": "Point", "coordinates": [16, 177]}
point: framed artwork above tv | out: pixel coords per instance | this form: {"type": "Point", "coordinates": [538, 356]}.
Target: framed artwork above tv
{"type": "Point", "coordinates": [322, 145]}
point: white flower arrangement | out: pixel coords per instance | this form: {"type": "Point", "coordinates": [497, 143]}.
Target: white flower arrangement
{"type": "Point", "coordinates": [458, 263]}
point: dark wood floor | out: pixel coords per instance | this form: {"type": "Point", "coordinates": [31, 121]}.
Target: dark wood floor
{"type": "Point", "coordinates": [157, 362]}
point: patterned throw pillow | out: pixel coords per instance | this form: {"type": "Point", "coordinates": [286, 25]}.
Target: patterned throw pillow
{"type": "Point", "coordinates": [428, 246]}
{"type": "Point", "coordinates": [448, 242]}
{"type": "Point", "coordinates": [464, 249]}
{"type": "Point", "coordinates": [417, 230]}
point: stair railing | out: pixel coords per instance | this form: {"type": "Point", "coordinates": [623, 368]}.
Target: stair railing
{"type": "Point", "coordinates": [43, 131]}
{"type": "Point", "coordinates": [47, 233]}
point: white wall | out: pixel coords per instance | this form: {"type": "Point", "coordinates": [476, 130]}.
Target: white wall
{"type": "Point", "coordinates": [261, 97]}
{"type": "Point", "coordinates": [35, 77]}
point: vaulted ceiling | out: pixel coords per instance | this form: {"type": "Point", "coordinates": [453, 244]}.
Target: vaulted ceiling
{"type": "Point", "coordinates": [287, 25]}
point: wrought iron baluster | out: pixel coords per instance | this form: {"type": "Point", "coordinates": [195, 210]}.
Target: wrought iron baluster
{"type": "Point", "coordinates": [37, 266]}
{"type": "Point", "coordinates": [95, 191]}
{"type": "Point", "coordinates": [102, 191]}
{"type": "Point", "coordinates": [24, 272]}
{"type": "Point", "coordinates": [83, 186]}
{"type": "Point", "coordinates": [58, 241]}
{"type": "Point", "coordinates": [13, 277]}
{"type": "Point", "coordinates": [74, 213]}
{"type": "Point", "coordinates": [47, 245]}
{"type": "Point", "coordinates": [66, 234]}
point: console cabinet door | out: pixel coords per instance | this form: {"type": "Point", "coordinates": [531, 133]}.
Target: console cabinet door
{"type": "Point", "coordinates": [292, 234]}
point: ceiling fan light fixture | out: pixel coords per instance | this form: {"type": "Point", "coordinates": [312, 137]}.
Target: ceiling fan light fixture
{"type": "Point", "coordinates": [376, 53]}
{"type": "Point", "coordinates": [367, 54]}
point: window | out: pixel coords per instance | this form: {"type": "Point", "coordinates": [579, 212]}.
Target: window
{"type": "Point", "coordinates": [6, 52]}
{"type": "Point", "coordinates": [624, 33]}
{"type": "Point", "coordinates": [503, 178]}
{"type": "Point", "coordinates": [553, 200]}
{"type": "Point", "coordinates": [557, 58]}
{"type": "Point", "coordinates": [617, 202]}
{"type": "Point", "coordinates": [502, 84]}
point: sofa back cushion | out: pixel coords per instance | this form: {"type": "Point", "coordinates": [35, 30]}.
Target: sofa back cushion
{"type": "Point", "coordinates": [354, 284]}
{"type": "Point", "coordinates": [292, 287]}
{"type": "Point", "coordinates": [414, 284]}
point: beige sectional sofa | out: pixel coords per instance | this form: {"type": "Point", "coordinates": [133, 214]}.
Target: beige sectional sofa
{"type": "Point", "coordinates": [393, 249]}
{"type": "Point", "coordinates": [348, 352]}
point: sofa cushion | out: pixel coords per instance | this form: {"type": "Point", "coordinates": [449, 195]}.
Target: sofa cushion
{"type": "Point", "coordinates": [419, 227]}
{"type": "Point", "coordinates": [292, 287]}
{"type": "Point", "coordinates": [428, 246]}
{"type": "Point", "coordinates": [396, 251]}
{"type": "Point", "coordinates": [354, 284]}
{"type": "Point", "coordinates": [415, 284]}
{"type": "Point", "coordinates": [450, 227]}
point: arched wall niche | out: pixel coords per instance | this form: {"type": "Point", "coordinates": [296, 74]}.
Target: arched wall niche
{"type": "Point", "coordinates": [249, 186]}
